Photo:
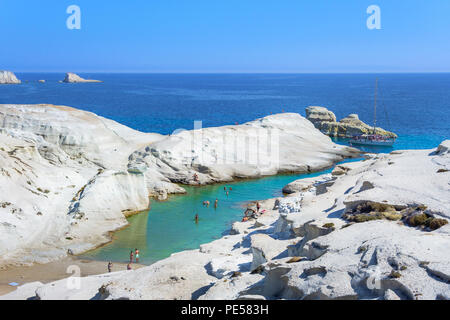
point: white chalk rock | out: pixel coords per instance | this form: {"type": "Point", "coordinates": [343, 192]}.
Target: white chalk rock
{"type": "Point", "coordinates": [74, 78]}
{"type": "Point", "coordinates": [274, 144]}
{"type": "Point", "coordinates": [7, 77]}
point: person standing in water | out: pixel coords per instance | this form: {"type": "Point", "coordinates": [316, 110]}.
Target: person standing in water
{"type": "Point", "coordinates": [131, 256]}
{"type": "Point", "coordinates": [196, 218]}
{"type": "Point", "coordinates": [227, 193]}
{"type": "Point", "coordinates": [110, 266]}
{"type": "Point", "coordinates": [136, 254]}
{"type": "Point", "coordinates": [216, 203]}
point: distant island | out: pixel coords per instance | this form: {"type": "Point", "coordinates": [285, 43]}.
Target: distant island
{"type": "Point", "coordinates": [74, 78]}
{"type": "Point", "coordinates": [7, 77]}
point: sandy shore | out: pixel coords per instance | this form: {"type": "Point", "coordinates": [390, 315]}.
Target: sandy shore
{"type": "Point", "coordinates": [53, 271]}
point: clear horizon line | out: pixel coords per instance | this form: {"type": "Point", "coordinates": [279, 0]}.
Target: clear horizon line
{"type": "Point", "coordinates": [239, 72]}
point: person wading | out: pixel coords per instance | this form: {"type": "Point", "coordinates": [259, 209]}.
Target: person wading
{"type": "Point", "coordinates": [136, 254]}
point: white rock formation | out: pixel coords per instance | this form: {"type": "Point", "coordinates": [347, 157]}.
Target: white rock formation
{"type": "Point", "coordinates": [63, 181]}
{"type": "Point", "coordinates": [68, 177]}
{"type": "Point", "coordinates": [7, 77]}
{"type": "Point", "coordinates": [319, 114]}
{"type": "Point", "coordinates": [74, 78]}
{"type": "Point", "coordinates": [313, 253]}
{"type": "Point", "coordinates": [275, 144]}
{"type": "Point", "coordinates": [326, 122]}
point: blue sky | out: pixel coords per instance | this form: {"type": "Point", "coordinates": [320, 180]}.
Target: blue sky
{"type": "Point", "coordinates": [225, 36]}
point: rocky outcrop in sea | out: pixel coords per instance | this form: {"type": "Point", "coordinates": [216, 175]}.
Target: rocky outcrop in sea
{"type": "Point", "coordinates": [375, 229]}
{"type": "Point", "coordinates": [7, 77]}
{"type": "Point", "coordinates": [74, 78]}
{"type": "Point", "coordinates": [69, 177]}
{"type": "Point", "coordinates": [325, 120]}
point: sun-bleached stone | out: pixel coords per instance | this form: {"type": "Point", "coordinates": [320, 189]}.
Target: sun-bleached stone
{"type": "Point", "coordinates": [311, 252]}
{"type": "Point", "coordinates": [314, 253]}
{"type": "Point", "coordinates": [74, 78]}
{"type": "Point", "coordinates": [7, 77]}
{"type": "Point", "coordinates": [326, 122]}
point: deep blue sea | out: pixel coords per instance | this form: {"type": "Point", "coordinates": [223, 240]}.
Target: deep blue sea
{"type": "Point", "coordinates": [415, 106]}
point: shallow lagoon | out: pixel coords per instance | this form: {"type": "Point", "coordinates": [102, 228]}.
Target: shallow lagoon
{"type": "Point", "coordinates": [169, 226]}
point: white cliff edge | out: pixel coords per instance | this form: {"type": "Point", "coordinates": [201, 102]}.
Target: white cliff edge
{"type": "Point", "coordinates": [374, 229]}
{"type": "Point", "coordinates": [74, 78]}
{"type": "Point", "coordinates": [69, 177]}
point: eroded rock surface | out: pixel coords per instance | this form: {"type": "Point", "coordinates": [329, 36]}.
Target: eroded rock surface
{"type": "Point", "coordinates": [74, 78]}
{"type": "Point", "coordinates": [314, 252]}
{"type": "Point", "coordinates": [326, 122]}
{"type": "Point", "coordinates": [69, 177]}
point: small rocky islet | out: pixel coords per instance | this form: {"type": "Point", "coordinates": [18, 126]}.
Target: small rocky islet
{"type": "Point", "coordinates": [8, 77]}
{"type": "Point", "coordinates": [325, 120]}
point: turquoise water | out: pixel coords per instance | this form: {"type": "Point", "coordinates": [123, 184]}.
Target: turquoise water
{"type": "Point", "coordinates": [170, 227]}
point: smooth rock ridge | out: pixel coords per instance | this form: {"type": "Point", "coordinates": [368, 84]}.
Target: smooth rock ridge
{"type": "Point", "coordinates": [74, 78]}
{"type": "Point", "coordinates": [325, 120]}
{"type": "Point", "coordinates": [7, 77]}
{"type": "Point", "coordinates": [68, 177]}
{"type": "Point", "coordinates": [279, 143]}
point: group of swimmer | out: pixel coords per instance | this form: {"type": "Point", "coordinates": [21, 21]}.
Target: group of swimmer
{"type": "Point", "coordinates": [133, 254]}
{"type": "Point", "coordinates": [206, 203]}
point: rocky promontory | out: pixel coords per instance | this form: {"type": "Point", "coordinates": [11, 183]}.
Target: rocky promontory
{"type": "Point", "coordinates": [325, 120]}
{"type": "Point", "coordinates": [280, 143]}
{"type": "Point", "coordinates": [74, 78]}
{"type": "Point", "coordinates": [7, 77]}
{"type": "Point", "coordinates": [69, 177]}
